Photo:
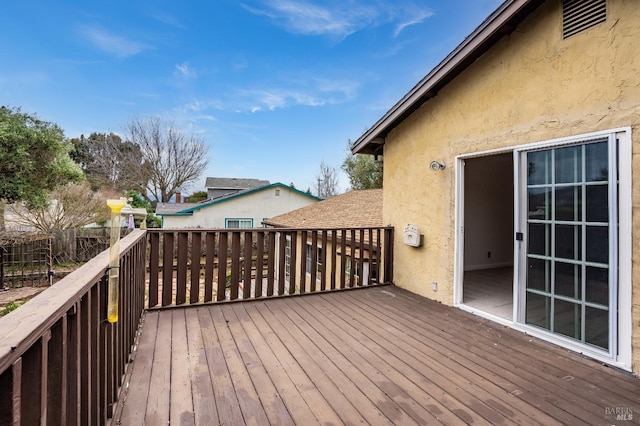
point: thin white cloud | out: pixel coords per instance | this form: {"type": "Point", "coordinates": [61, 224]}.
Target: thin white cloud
{"type": "Point", "coordinates": [112, 43]}
{"type": "Point", "coordinates": [183, 71]}
{"type": "Point", "coordinates": [313, 92]}
{"type": "Point", "coordinates": [339, 18]}
{"type": "Point", "coordinates": [167, 19]}
{"type": "Point", "coordinates": [199, 106]}
{"type": "Point", "coordinates": [412, 19]}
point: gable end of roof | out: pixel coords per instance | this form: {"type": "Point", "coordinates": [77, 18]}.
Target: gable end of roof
{"type": "Point", "coordinates": [500, 23]}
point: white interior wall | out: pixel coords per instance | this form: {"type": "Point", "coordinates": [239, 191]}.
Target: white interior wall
{"type": "Point", "coordinates": [488, 219]}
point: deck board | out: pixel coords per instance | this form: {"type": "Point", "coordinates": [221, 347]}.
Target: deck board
{"type": "Point", "coordinates": [370, 356]}
{"type": "Point", "coordinates": [204, 402]}
{"type": "Point", "coordinates": [574, 392]}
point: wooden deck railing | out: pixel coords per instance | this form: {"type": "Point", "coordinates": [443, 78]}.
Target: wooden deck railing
{"type": "Point", "coordinates": [60, 361]}
{"type": "Point", "coordinates": [195, 266]}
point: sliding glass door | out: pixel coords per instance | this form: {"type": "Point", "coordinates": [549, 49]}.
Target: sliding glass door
{"type": "Point", "coordinates": [569, 239]}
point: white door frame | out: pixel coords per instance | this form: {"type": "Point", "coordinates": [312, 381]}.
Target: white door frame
{"type": "Point", "coordinates": [623, 357]}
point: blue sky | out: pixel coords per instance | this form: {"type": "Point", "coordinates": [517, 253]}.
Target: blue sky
{"type": "Point", "coordinates": [274, 86]}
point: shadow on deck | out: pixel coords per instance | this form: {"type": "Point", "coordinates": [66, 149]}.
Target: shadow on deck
{"type": "Point", "coordinates": [374, 355]}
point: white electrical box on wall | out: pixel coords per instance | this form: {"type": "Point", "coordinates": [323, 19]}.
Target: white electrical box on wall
{"type": "Point", "coordinates": [411, 235]}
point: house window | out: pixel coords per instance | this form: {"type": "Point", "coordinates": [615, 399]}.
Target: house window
{"type": "Point", "coordinates": [238, 223]}
{"type": "Point", "coordinates": [277, 192]}
{"type": "Point", "coordinates": [319, 268]}
{"type": "Point", "coordinates": [287, 259]}
{"type": "Point", "coordinates": [347, 268]}
{"type": "Point", "coordinates": [308, 258]}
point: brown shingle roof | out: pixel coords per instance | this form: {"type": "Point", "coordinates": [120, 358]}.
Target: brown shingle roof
{"type": "Point", "coordinates": [352, 209]}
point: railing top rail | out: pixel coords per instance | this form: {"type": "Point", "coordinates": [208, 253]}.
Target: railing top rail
{"type": "Point", "coordinates": [20, 329]}
{"type": "Point", "coordinates": [279, 229]}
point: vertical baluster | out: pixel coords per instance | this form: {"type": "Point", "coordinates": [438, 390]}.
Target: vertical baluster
{"type": "Point", "coordinates": [248, 261]}
{"type": "Point", "coordinates": [57, 374]}
{"type": "Point", "coordinates": [222, 266]}
{"type": "Point", "coordinates": [334, 258]}
{"type": "Point", "coordinates": [167, 268]}
{"type": "Point", "coordinates": [377, 248]}
{"type": "Point", "coordinates": [86, 319]}
{"type": "Point", "coordinates": [303, 262]}
{"type": "Point", "coordinates": [293, 261]}
{"type": "Point", "coordinates": [271, 256]}
{"type": "Point", "coordinates": [11, 394]}
{"type": "Point", "coordinates": [209, 266]}
{"type": "Point", "coordinates": [194, 287]}
{"type": "Point", "coordinates": [235, 264]}
{"type": "Point", "coordinates": [154, 259]}
{"type": "Point", "coordinates": [323, 261]}
{"type": "Point", "coordinates": [343, 258]}
{"type": "Point", "coordinates": [181, 268]}
{"type": "Point", "coordinates": [282, 245]}
{"type": "Point", "coordinates": [314, 260]}
{"type": "Point", "coordinates": [259, 263]}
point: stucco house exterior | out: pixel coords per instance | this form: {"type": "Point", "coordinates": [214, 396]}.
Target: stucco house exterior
{"type": "Point", "coordinates": [517, 159]}
{"type": "Point", "coordinates": [243, 208]}
{"type": "Point", "coordinates": [345, 225]}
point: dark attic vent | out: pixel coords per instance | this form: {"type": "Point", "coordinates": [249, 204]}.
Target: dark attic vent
{"type": "Point", "coordinates": [578, 15]}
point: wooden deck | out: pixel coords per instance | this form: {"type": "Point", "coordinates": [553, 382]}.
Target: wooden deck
{"type": "Point", "coordinates": [369, 356]}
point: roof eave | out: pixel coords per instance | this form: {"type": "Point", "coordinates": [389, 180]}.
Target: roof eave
{"type": "Point", "coordinates": [500, 23]}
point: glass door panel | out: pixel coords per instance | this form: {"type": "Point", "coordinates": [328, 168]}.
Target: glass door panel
{"type": "Point", "coordinates": [568, 258]}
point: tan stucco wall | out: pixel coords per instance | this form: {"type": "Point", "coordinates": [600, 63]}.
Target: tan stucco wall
{"type": "Point", "coordinates": [532, 86]}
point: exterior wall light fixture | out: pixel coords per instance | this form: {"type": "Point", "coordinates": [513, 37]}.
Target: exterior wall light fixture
{"type": "Point", "coordinates": [436, 165]}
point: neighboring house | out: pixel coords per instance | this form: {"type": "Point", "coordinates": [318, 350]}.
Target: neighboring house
{"type": "Point", "coordinates": [223, 187]}
{"type": "Point", "coordinates": [356, 250]}
{"type": "Point", "coordinates": [514, 159]}
{"type": "Point", "coordinates": [237, 209]}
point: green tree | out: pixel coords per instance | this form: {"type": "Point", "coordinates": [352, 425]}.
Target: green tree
{"type": "Point", "coordinates": [34, 159]}
{"type": "Point", "coordinates": [197, 196]}
{"type": "Point", "coordinates": [139, 201]}
{"type": "Point", "coordinates": [108, 162]}
{"type": "Point", "coordinates": [363, 171]}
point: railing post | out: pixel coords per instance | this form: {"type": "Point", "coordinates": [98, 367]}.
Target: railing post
{"type": "Point", "coordinates": [388, 255]}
